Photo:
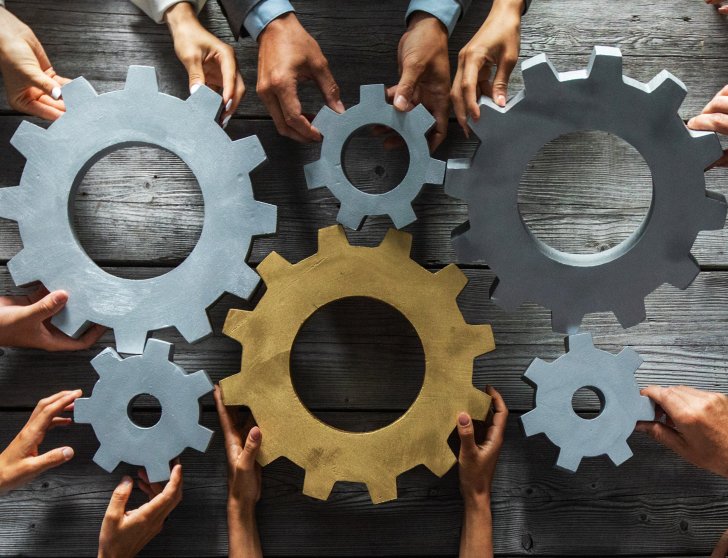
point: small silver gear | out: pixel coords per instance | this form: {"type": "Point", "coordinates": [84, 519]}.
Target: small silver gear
{"type": "Point", "coordinates": [107, 410]}
{"type": "Point", "coordinates": [612, 377]}
{"type": "Point", "coordinates": [57, 159]}
{"type": "Point", "coordinates": [329, 172]}
{"type": "Point", "coordinates": [553, 104]}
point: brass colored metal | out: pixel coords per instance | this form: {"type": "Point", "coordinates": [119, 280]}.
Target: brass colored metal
{"type": "Point", "coordinates": [294, 293]}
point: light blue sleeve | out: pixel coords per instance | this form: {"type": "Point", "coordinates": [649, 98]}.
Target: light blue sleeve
{"type": "Point", "coordinates": [263, 13]}
{"type": "Point", "coordinates": [447, 11]}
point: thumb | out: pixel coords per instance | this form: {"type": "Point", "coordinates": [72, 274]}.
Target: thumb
{"type": "Point", "coordinates": [42, 81]}
{"type": "Point", "coordinates": [405, 90]}
{"type": "Point", "coordinates": [467, 435]}
{"type": "Point", "coordinates": [48, 306]}
{"type": "Point", "coordinates": [119, 498]}
{"type": "Point", "coordinates": [500, 82]}
{"type": "Point", "coordinates": [49, 460]}
{"type": "Point", "coordinates": [252, 446]}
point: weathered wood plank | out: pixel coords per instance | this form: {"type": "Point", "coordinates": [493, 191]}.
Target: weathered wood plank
{"type": "Point", "coordinates": [654, 502]}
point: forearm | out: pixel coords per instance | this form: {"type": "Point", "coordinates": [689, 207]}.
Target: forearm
{"type": "Point", "coordinates": [243, 539]}
{"type": "Point", "coordinates": [476, 538]}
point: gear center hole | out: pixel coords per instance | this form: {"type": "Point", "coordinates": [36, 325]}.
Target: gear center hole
{"type": "Point", "coordinates": [375, 159]}
{"type": "Point", "coordinates": [585, 400]}
{"type": "Point", "coordinates": [144, 410]}
{"type": "Point", "coordinates": [585, 192]}
{"type": "Point", "coordinates": [135, 203]}
{"type": "Point", "coordinates": [355, 356]}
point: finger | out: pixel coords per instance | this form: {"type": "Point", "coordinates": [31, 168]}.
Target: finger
{"type": "Point", "coordinates": [439, 132]}
{"type": "Point", "coordinates": [195, 72]}
{"type": "Point", "coordinates": [466, 432]}
{"type": "Point", "coordinates": [713, 122]}
{"type": "Point", "coordinates": [721, 549]}
{"type": "Point", "coordinates": [292, 113]}
{"type": "Point", "coordinates": [46, 307]}
{"type": "Point", "coordinates": [500, 416]}
{"type": "Point", "coordinates": [274, 109]}
{"type": "Point", "coordinates": [60, 422]}
{"type": "Point", "coordinates": [171, 494]}
{"type": "Point", "coordinates": [91, 336]}
{"type": "Point", "coordinates": [42, 110]}
{"type": "Point", "coordinates": [235, 101]}
{"type": "Point", "coordinates": [49, 460]}
{"type": "Point", "coordinates": [229, 428]}
{"type": "Point", "coordinates": [42, 417]}
{"type": "Point", "coordinates": [671, 399]}
{"type": "Point", "coordinates": [42, 80]}
{"type": "Point", "coordinates": [404, 94]}
{"type": "Point", "coordinates": [663, 434]}
{"type": "Point", "coordinates": [500, 81]}
{"type": "Point", "coordinates": [718, 104]}
{"type": "Point", "coordinates": [146, 488]}
{"type": "Point", "coordinates": [117, 504]}
{"type": "Point", "coordinates": [469, 84]}
{"type": "Point", "coordinates": [458, 102]}
{"type": "Point", "coordinates": [252, 445]}
{"type": "Point", "coordinates": [723, 161]}
{"type": "Point", "coordinates": [329, 88]}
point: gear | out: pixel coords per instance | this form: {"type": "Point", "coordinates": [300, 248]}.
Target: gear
{"type": "Point", "coordinates": [294, 293]}
{"type": "Point", "coordinates": [329, 171]}
{"type": "Point", "coordinates": [57, 159]}
{"type": "Point", "coordinates": [612, 377]}
{"type": "Point", "coordinates": [107, 410]}
{"type": "Point", "coordinates": [553, 104]}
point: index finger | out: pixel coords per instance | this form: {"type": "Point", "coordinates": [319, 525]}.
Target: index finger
{"type": "Point", "coordinates": [164, 502]}
{"type": "Point", "coordinates": [229, 429]}
{"type": "Point", "coordinates": [292, 112]}
{"type": "Point", "coordinates": [500, 416]}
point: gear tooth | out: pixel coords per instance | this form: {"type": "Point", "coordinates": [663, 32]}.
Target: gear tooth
{"type": "Point", "coordinates": [317, 484]}
{"type": "Point", "coordinates": [579, 342]}
{"type": "Point", "coordinates": [466, 250]}
{"type": "Point", "coordinates": [317, 175]}
{"type": "Point", "coordinates": [456, 178]}
{"type": "Point", "coordinates": [157, 472]}
{"type": "Point", "coordinates": [106, 459]}
{"type": "Point", "coordinates": [82, 410]}
{"type": "Point", "coordinates": [130, 341]}
{"type": "Point", "coordinates": [707, 147]}
{"type": "Point", "coordinates": [198, 384]}
{"type": "Point", "coordinates": [141, 79]}
{"type": "Point", "coordinates": [71, 321]}
{"type": "Point", "coordinates": [250, 150]}
{"type": "Point", "coordinates": [684, 272]}
{"type": "Point", "coordinates": [272, 267]}
{"type": "Point", "coordinates": [234, 321]}
{"type": "Point", "coordinates": [403, 216]}
{"type": "Point", "coordinates": [267, 455]}
{"type": "Point", "coordinates": [451, 278]}
{"type": "Point", "coordinates": [195, 327]}
{"type": "Point", "coordinates": [667, 90]}
{"type": "Point", "coordinates": [28, 139]}
{"type": "Point", "coordinates": [435, 171]}
{"type": "Point", "coordinates": [244, 282]}
{"type": "Point", "coordinates": [199, 438]}
{"type": "Point", "coordinates": [157, 349]}
{"type": "Point", "coordinates": [479, 403]}
{"type": "Point", "coordinates": [374, 94]}
{"type": "Point", "coordinates": [332, 237]}
{"type": "Point", "coordinates": [619, 453]}
{"type": "Point", "coordinates": [106, 360]}
{"type": "Point", "coordinates": [325, 120]}
{"type": "Point", "coordinates": [506, 295]}
{"type": "Point", "coordinates": [22, 268]}
{"type": "Point", "coordinates": [631, 313]}
{"type": "Point", "coordinates": [646, 409]}
{"type": "Point", "coordinates": [206, 102]}
{"type": "Point", "coordinates": [485, 343]}
{"type": "Point", "coordinates": [399, 242]}
{"type": "Point", "coordinates": [382, 490]}
{"type": "Point", "coordinates": [537, 372]}
{"type": "Point", "coordinates": [605, 65]}
{"type": "Point", "coordinates": [563, 321]}
{"type": "Point", "coordinates": [12, 202]}
{"type": "Point", "coordinates": [350, 217]}
{"type": "Point", "coordinates": [531, 424]}
{"type": "Point", "coordinates": [424, 121]}
{"type": "Point", "coordinates": [233, 395]}
{"type": "Point", "coordinates": [441, 463]}
{"type": "Point", "coordinates": [568, 461]}
{"type": "Point", "coordinates": [713, 212]}
{"type": "Point", "coordinates": [78, 93]}
{"type": "Point", "coordinates": [267, 215]}
{"type": "Point", "coordinates": [630, 359]}
{"type": "Point", "coordinates": [539, 75]}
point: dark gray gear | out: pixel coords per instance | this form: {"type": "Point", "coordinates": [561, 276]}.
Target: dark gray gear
{"type": "Point", "coordinates": [553, 104]}
{"type": "Point", "coordinates": [107, 410]}
{"type": "Point", "coordinates": [328, 171]}
{"type": "Point", "coordinates": [611, 376]}
{"type": "Point", "coordinates": [57, 159]}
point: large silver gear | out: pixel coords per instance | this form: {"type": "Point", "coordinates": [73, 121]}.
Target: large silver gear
{"type": "Point", "coordinates": [57, 159]}
{"type": "Point", "coordinates": [553, 104]}
{"type": "Point", "coordinates": [329, 171]}
{"type": "Point", "coordinates": [612, 377]}
{"type": "Point", "coordinates": [107, 410]}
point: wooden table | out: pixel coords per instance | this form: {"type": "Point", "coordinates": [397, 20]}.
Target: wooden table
{"type": "Point", "coordinates": [357, 364]}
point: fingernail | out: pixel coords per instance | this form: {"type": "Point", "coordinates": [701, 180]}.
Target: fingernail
{"type": "Point", "coordinates": [59, 298]}
{"type": "Point", "coordinates": [400, 102]}
{"type": "Point", "coordinates": [67, 453]}
{"type": "Point", "coordinates": [501, 100]}
{"type": "Point", "coordinates": [194, 88]}
{"type": "Point", "coordinates": [255, 434]}
{"type": "Point", "coordinates": [126, 480]}
{"type": "Point", "coordinates": [690, 122]}
{"type": "Point", "coordinates": [463, 419]}
{"type": "Point", "coordinates": [225, 121]}
{"type": "Point", "coordinates": [56, 93]}
{"type": "Point", "coordinates": [340, 107]}
{"type": "Point", "coordinates": [228, 105]}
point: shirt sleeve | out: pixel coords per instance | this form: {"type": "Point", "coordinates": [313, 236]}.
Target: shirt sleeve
{"type": "Point", "coordinates": [157, 8]}
{"type": "Point", "coordinates": [263, 13]}
{"type": "Point", "coordinates": [2, 3]}
{"type": "Point", "coordinates": [447, 11]}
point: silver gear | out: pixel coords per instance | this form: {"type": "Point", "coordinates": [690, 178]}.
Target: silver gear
{"type": "Point", "coordinates": [328, 171]}
{"type": "Point", "coordinates": [612, 377]}
{"type": "Point", "coordinates": [57, 159]}
{"type": "Point", "coordinates": [553, 104]}
{"type": "Point", "coordinates": [120, 381]}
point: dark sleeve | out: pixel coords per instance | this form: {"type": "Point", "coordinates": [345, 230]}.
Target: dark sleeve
{"type": "Point", "coordinates": [465, 4]}
{"type": "Point", "coordinates": [235, 12]}
{"type": "Point", "coordinates": [526, 5]}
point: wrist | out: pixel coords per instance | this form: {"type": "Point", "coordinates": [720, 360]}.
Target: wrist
{"type": "Point", "coordinates": [477, 504]}
{"type": "Point", "coordinates": [240, 508]}
{"type": "Point", "coordinates": [425, 19]}
{"type": "Point", "coordinates": [510, 5]}
{"type": "Point", "coordinates": [181, 13]}
{"type": "Point", "coordinates": [282, 24]}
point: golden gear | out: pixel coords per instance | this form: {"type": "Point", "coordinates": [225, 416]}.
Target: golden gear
{"type": "Point", "coordinates": [294, 293]}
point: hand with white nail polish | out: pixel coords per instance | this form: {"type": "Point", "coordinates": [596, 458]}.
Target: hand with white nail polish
{"type": "Point", "coordinates": [21, 461]}
{"type": "Point", "coordinates": [496, 44]}
{"type": "Point", "coordinates": [31, 84]}
{"type": "Point", "coordinates": [424, 72]}
{"type": "Point", "coordinates": [25, 322]}
{"type": "Point", "coordinates": [714, 118]}
{"type": "Point", "coordinates": [208, 60]}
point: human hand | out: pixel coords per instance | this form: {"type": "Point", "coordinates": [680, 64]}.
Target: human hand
{"type": "Point", "coordinates": [125, 533]}
{"type": "Point", "coordinates": [25, 322]}
{"type": "Point", "coordinates": [714, 118]}
{"type": "Point", "coordinates": [497, 43]}
{"type": "Point", "coordinates": [289, 55]}
{"type": "Point", "coordinates": [208, 60]}
{"type": "Point", "coordinates": [244, 479]}
{"type": "Point", "coordinates": [722, 8]}
{"type": "Point", "coordinates": [695, 427]}
{"type": "Point", "coordinates": [20, 462]}
{"type": "Point", "coordinates": [424, 69]}
{"type": "Point", "coordinates": [31, 84]}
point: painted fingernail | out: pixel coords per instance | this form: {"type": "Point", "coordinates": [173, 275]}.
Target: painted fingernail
{"type": "Point", "coordinates": [463, 419]}
{"type": "Point", "coordinates": [67, 453]}
{"type": "Point", "coordinates": [194, 88]}
{"type": "Point", "coordinates": [400, 102]}
{"type": "Point", "coordinates": [56, 93]}
{"type": "Point", "coordinates": [228, 105]}
{"type": "Point", "coordinates": [226, 121]}
{"type": "Point", "coordinates": [255, 434]}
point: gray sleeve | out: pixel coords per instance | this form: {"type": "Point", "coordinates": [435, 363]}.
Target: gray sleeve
{"type": "Point", "coordinates": [235, 12]}
{"type": "Point", "coordinates": [157, 8]}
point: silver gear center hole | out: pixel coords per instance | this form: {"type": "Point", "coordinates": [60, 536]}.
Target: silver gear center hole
{"type": "Point", "coordinates": [137, 204]}
{"type": "Point", "coordinates": [588, 402]}
{"type": "Point", "coordinates": [375, 159]}
{"type": "Point", "coordinates": [585, 192]}
{"type": "Point", "coordinates": [144, 410]}
{"type": "Point", "coordinates": [353, 356]}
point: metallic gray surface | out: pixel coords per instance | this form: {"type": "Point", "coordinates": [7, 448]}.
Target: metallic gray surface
{"type": "Point", "coordinates": [328, 171]}
{"type": "Point", "coordinates": [57, 159]}
{"type": "Point", "coordinates": [120, 381]}
{"type": "Point", "coordinates": [553, 104]}
{"type": "Point", "coordinates": [586, 366]}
